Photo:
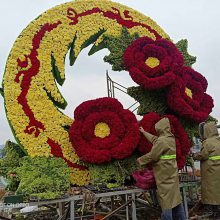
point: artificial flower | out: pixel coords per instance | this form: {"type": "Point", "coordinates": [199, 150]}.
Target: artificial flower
{"type": "Point", "coordinates": [103, 130]}
{"type": "Point", "coordinates": [151, 64]}
{"type": "Point", "coordinates": [187, 96]}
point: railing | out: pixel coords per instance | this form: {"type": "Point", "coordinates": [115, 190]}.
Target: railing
{"type": "Point", "coordinates": [111, 86]}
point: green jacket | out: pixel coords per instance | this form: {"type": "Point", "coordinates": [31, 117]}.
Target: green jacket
{"type": "Point", "coordinates": [162, 158]}
{"type": "Point", "coordinates": [210, 165]}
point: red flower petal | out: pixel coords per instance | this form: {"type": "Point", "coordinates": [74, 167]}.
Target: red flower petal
{"type": "Point", "coordinates": [165, 51]}
{"type": "Point", "coordinates": [199, 106]}
{"type": "Point", "coordinates": [119, 144]}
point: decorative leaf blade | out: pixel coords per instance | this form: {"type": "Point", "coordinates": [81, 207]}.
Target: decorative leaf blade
{"type": "Point", "coordinates": [96, 48]}
{"type": "Point", "coordinates": [72, 56]}
{"type": "Point", "coordinates": [182, 45]}
{"type": "Point", "coordinates": [92, 39]}
{"type": "Point", "coordinates": [117, 47]}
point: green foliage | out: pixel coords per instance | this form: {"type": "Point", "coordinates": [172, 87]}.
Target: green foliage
{"type": "Point", "coordinates": [210, 118]}
{"type": "Point", "coordinates": [13, 181]}
{"type": "Point", "coordinates": [19, 216]}
{"type": "Point", "coordinates": [113, 174]}
{"type": "Point", "coordinates": [117, 46]}
{"type": "Point", "coordinates": [72, 56]}
{"type": "Point", "coordinates": [191, 129]}
{"type": "Point", "coordinates": [47, 195]}
{"type": "Point", "coordinates": [92, 39]}
{"type": "Point", "coordinates": [56, 72]}
{"type": "Point", "coordinates": [13, 154]}
{"type": "Point", "coordinates": [95, 48]}
{"type": "Point", "coordinates": [58, 104]}
{"type": "Point", "coordinates": [44, 177]}
{"type": "Point", "coordinates": [182, 45]}
{"type": "Point", "coordinates": [150, 101]}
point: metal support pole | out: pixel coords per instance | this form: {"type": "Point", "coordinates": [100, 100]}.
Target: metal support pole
{"type": "Point", "coordinates": [72, 210]}
{"type": "Point", "coordinates": [113, 90]}
{"type": "Point", "coordinates": [127, 212]}
{"type": "Point", "coordinates": [61, 208]}
{"type": "Point", "coordinates": [112, 203]}
{"type": "Point", "coordinates": [185, 202]}
{"type": "Point", "coordinates": [107, 77]}
{"type": "Point", "coordinates": [134, 216]}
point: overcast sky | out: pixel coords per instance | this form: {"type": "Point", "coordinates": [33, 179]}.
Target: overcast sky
{"type": "Point", "coordinates": [196, 20]}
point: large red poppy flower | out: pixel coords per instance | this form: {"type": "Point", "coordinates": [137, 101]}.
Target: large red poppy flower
{"type": "Point", "coordinates": [151, 63]}
{"type": "Point", "coordinates": [187, 95]}
{"type": "Point", "coordinates": [182, 141]}
{"type": "Point", "coordinates": [103, 130]}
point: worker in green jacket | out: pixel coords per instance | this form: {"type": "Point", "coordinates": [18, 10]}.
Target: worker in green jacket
{"type": "Point", "coordinates": [162, 157]}
{"type": "Point", "coordinates": [209, 157]}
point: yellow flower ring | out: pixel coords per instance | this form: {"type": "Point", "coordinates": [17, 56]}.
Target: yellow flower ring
{"type": "Point", "coordinates": [36, 63]}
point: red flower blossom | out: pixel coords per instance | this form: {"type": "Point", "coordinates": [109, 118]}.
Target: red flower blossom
{"type": "Point", "coordinates": [182, 141]}
{"type": "Point", "coordinates": [187, 95]}
{"type": "Point", "coordinates": [151, 63]}
{"type": "Point", "coordinates": [103, 130]}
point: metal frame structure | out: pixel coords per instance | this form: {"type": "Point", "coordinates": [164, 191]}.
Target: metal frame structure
{"type": "Point", "coordinates": [112, 85]}
{"type": "Point", "coordinates": [131, 198]}
{"type": "Point", "coordinates": [129, 194]}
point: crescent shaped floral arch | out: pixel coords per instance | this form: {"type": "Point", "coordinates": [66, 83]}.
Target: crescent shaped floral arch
{"type": "Point", "coordinates": [36, 64]}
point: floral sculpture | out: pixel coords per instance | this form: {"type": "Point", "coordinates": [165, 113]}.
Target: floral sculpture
{"type": "Point", "coordinates": [36, 64]}
{"type": "Point", "coordinates": [136, 43]}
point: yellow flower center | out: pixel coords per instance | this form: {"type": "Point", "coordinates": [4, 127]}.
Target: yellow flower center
{"type": "Point", "coordinates": [152, 62]}
{"type": "Point", "coordinates": [102, 130]}
{"type": "Point", "coordinates": [188, 92]}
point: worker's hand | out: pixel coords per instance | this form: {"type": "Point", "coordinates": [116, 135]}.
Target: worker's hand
{"type": "Point", "coordinates": [138, 161]}
{"type": "Point", "coordinates": [191, 154]}
{"type": "Point", "coordinates": [141, 130]}
{"type": "Point", "coordinates": [194, 156]}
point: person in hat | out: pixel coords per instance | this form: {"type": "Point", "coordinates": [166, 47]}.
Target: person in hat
{"type": "Point", "coordinates": [209, 158]}
{"type": "Point", "coordinates": [162, 157]}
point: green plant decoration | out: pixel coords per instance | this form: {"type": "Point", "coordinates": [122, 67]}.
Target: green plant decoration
{"type": "Point", "coordinates": [150, 101]}
{"type": "Point", "coordinates": [113, 174]}
{"type": "Point", "coordinates": [13, 153]}
{"type": "Point", "coordinates": [117, 46]}
{"type": "Point", "coordinates": [46, 178]}
{"type": "Point", "coordinates": [182, 45]}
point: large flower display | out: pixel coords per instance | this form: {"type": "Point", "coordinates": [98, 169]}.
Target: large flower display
{"type": "Point", "coordinates": [36, 64]}
{"type": "Point", "coordinates": [151, 64]}
{"type": "Point", "coordinates": [187, 96]}
{"type": "Point", "coordinates": [103, 130]}
{"type": "Point", "coordinates": [158, 64]}
{"type": "Point", "coordinates": [182, 141]}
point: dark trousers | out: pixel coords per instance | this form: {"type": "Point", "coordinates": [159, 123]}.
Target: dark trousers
{"type": "Point", "coordinates": [176, 213]}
